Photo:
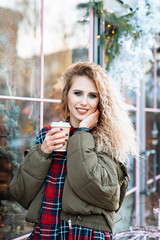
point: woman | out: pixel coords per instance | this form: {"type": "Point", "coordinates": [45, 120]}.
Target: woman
{"type": "Point", "coordinates": [81, 204]}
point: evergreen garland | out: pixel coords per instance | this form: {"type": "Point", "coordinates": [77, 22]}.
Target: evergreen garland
{"type": "Point", "coordinates": [114, 28]}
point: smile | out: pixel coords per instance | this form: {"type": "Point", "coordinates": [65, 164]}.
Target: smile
{"type": "Point", "coordinates": [81, 110]}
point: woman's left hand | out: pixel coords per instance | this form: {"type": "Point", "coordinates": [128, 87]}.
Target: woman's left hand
{"type": "Point", "coordinates": [90, 121]}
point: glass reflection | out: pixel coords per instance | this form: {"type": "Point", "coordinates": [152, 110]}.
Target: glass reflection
{"type": "Point", "coordinates": [126, 215]}
{"type": "Point", "coordinates": [151, 203]}
{"type": "Point", "coordinates": [132, 162]}
{"type": "Point", "coordinates": [153, 83]}
{"type": "Point", "coordinates": [129, 95]}
{"type": "Point", "coordinates": [52, 113]}
{"type": "Point", "coordinates": [149, 85]}
{"type": "Point", "coordinates": [18, 128]}
{"type": "Point", "coordinates": [65, 41]}
{"type": "Point", "coordinates": [153, 131]}
{"type": "Point", "coordinates": [20, 47]}
{"type": "Point", "coordinates": [152, 142]}
{"type": "Point", "coordinates": [158, 78]}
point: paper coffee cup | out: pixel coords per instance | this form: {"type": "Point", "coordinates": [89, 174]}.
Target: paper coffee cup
{"type": "Point", "coordinates": [66, 129]}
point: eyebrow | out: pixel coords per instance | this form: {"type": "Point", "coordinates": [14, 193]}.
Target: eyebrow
{"type": "Point", "coordinates": [78, 90]}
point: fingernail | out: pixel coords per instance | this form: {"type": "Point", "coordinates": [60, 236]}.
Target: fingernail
{"type": "Point", "coordinates": [66, 140]}
{"type": "Point", "coordinates": [61, 129]}
{"type": "Point", "coordinates": [63, 144]}
{"type": "Point", "coordinates": [66, 134]}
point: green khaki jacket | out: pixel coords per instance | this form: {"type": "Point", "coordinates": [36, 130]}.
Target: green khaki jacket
{"type": "Point", "coordinates": [94, 187]}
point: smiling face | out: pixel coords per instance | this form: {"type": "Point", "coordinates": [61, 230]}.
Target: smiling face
{"type": "Point", "coordinates": [82, 99]}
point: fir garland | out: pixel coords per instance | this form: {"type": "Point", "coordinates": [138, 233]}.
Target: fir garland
{"type": "Point", "coordinates": [114, 27]}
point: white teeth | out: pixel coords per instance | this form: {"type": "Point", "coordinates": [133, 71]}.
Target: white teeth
{"type": "Point", "coordinates": [82, 110]}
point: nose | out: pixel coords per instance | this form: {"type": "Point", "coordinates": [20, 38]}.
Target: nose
{"type": "Point", "coordinates": [84, 100]}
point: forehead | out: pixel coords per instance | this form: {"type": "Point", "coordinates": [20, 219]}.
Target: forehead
{"type": "Point", "coordinates": [83, 83]}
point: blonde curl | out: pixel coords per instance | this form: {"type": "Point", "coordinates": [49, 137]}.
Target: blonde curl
{"type": "Point", "coordinates": [114, 133]}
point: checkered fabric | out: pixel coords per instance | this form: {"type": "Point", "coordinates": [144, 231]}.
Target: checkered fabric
{"type": "Point", "coordinates": [50, 226]}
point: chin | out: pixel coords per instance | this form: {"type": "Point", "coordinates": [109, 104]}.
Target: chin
{"type": "Point", "coordinates": [82, 118]}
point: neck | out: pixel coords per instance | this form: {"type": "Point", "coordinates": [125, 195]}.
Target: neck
{"type": "Point", "coordinates": [74, 124]}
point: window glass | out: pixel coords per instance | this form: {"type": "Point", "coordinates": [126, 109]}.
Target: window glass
{"type": "Point", "coordinates": [131, 161]}
{"type": "Point", "coordinates": [153, 131]}
{"type": "Point", "coordinates": [151, 204]}
{"type": "Point", "coordinates": [20, 47]}
{"type": "Point", "coordinates": [131, 169]}
{"type": "Point", "coordinates": [19, 124]}
{"type": "Point", "coordinates": [149, 86]}
{"type": "Point", "coordinates": [66, 40]}
{"type": "Point", "coordinates": [153, 82]}
{"type": "Point", "coordinates": [129, 95]}
{"type": "Point", "coordinates": [126, 215]}
{"type": "Point", "coordinates": [52, 113]}
{"type": "Point", "coordinates": [132, 115]}
{"type": "Point", "coordinates": [158, 78]}
{"type": "Point", "coordinates": [152, 143]}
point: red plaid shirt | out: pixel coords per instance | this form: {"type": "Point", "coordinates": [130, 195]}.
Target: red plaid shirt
{"type": "Point", "coordinates": [50, 225]}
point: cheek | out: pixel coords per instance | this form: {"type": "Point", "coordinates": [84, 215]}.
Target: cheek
{"type": "Point", "coordinates": [95, 104]}
{"type": "Point", "coordinates": [71, 101]}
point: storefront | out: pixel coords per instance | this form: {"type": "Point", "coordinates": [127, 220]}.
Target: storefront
{"type": "Point", "coordinates": [37, 42]}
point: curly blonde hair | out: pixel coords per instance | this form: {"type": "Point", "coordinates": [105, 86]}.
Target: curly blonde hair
{"type": "Point", "coordinates": [114, 133]}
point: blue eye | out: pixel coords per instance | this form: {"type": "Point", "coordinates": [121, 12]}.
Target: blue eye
{"type": "Point", "coordinates": [77, 93]}
{"type": "Point", "coordinates": [92, 96]}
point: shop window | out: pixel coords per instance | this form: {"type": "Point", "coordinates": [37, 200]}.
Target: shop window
{"type": "Point", "coordinates": [19, 124]}
{"type": "Point", "coordinates": [153, 82]}
{"type": "Point", "coordinates": [19, 58]}
{"type": "Point", "coordinates": [126, 215]}
{"type": "Point", "coordinates": [158, 78]}
{"type": "Point", "coordinates": [64, 41]}
{"type": "Point", "coordinates": [149, 85]}
{"type": "Point", "coordinates": [152, 143]}
{"type": "Point", "coordinates": [53, 113]}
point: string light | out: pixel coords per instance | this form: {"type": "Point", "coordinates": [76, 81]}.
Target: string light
{"type": "Point", "coordinates": [108, 37]}
{"type": "Point", "coordinates": [98, 36]}
{"type": "Point", "coordinates": [135, 32]}
{"type": "Point", "coordinates": [109, 26]}
{"type": "Point", "coordinates": [113, 32]}
{"type": "Point", "coordinates": [103, 23]}
{"type": "Point", "coordinates": [101, 11]}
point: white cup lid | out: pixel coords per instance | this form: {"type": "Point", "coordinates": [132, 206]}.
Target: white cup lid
{"type": "Point", "coordinates": [60, 124]}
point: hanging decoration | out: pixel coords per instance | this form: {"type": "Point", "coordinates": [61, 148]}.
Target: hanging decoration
{"type": "Point", "coordinates": [113, 28]}
{"type": "Point", "coordinates": [136, 54]}
{"type": "Point", "coordinates": [128, 40]}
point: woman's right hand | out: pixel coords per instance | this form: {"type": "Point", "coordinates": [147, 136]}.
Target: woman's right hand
{"type": "Point", "coordinates": [54, 139]}
{"type": "Point", "coordinates": [91, 121]}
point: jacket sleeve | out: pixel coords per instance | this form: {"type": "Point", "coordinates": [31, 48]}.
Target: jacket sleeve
{"type": "Point", "coordinates": [30, 176]}
{"type": "Point", "coordinates": [92, 179]}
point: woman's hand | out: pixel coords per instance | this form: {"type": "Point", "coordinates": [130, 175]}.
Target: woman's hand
{"type": "Point", "coordinates": [54, 139]}
{"type": "Point", "coordinates": [90, 121]}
